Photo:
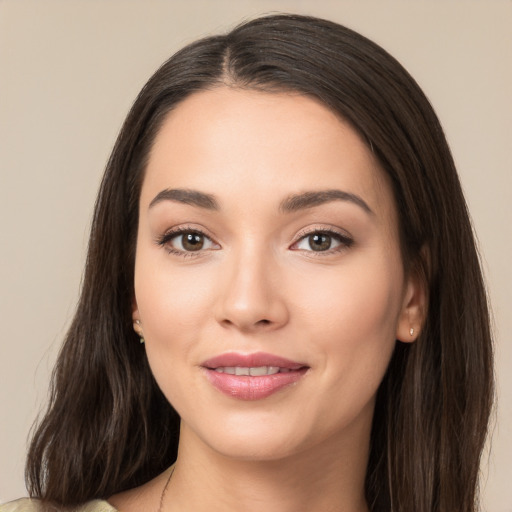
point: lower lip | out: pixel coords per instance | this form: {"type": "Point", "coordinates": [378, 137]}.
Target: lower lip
{"type": "Point", "coordinates": [244, 387]}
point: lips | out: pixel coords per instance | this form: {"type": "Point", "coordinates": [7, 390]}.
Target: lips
{"type": "Point", "coordinates": [252, 376]}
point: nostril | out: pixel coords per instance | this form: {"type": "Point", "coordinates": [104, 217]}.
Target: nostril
{"type": "Point", "coordinates": [263, 322]}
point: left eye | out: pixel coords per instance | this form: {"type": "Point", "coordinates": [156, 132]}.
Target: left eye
{"type": "Point", "coordinates": [321, 241]}
{"type": "Point", "coordinates": [190, 241]}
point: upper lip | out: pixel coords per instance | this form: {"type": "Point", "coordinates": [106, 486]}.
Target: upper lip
{"type": "Point", "coordinates": [254, 360]}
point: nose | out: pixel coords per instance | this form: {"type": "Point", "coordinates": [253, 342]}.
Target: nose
{"type": "Point", "coordinates": [251, 298]}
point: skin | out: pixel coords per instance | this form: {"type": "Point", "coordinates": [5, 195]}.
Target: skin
{"type": "Point", "coordinates": [258, 285]}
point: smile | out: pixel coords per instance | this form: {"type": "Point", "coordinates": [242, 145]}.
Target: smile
{"type": "Point", "coordinates": [253, 372]}
{"type": "Point", "coordinates": [253, 376]}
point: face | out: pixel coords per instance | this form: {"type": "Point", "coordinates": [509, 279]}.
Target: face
{"type": "Point", "coordinates": [269, 284]}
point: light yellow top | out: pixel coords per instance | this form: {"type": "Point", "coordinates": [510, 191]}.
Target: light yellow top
{"type": "Point", "coordinates": [28, 505]}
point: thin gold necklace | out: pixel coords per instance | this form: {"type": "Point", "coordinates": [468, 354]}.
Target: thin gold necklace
{"type": "Point", "coordinates": [162, 496]}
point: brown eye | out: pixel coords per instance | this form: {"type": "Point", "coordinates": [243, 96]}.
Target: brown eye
{"type": "Point", "coordinates": [320, 242]}
{"type": "Point", "coordinates": [323, 241]}
{"type": "Point", "coordinates": [181, 242]}
{"type": "Point", "coordinates": [192, 241]}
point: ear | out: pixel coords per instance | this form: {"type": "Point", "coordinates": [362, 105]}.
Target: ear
{"type": "Point", "coordinates": [137, 327]}
{"type": "Point", "coordinates": [135, 310]}
{"type": "Point", "coordinates": [412, 315]}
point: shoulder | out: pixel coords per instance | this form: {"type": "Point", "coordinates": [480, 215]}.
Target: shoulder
{"type": "Point", "coordinates": [29, 505]}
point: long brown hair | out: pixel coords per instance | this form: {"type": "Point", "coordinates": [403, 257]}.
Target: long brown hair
{"type": "Point", "coordinates": [108, 426]}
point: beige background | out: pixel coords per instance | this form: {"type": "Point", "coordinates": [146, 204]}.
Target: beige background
{"type": "Point", "coordinates": [69, 71]}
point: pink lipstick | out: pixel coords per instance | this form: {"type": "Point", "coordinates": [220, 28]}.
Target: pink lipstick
{"type": "Point", "coordinates": [252, 376]}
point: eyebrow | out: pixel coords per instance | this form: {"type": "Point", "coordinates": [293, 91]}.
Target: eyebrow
{"type": "Point", "coordinates": [186, 196]}
{"type": "Point", "coordinates": [291, 204]}
{"type": "Point", "coordinates": [315, 198]}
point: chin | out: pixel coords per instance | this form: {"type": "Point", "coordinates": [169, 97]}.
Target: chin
{"type": "Point", "coordinates": [256, 450]}
{"type": "Point", "coordinates": [244, 442]}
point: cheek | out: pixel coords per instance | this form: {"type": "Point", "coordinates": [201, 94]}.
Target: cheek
{"type": "Point", "coordinates": [174, 303]}
{"type": "Point", "coordinates": [167, 293]}
{"type": "Point", "coordinates": [172, 307]}
{"type": "Point", "coordinates": [362, 298]}
{"type": "Point", "coordinates": [351, 315]}
{"type": "Point", "coordinates": [352, 324]}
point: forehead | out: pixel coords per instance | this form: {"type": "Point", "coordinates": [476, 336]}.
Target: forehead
{"type": "Point", "coordinates": [257, 146]}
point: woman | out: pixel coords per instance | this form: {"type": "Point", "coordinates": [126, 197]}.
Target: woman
{"type": "Point", "coordinates": [282, 226]}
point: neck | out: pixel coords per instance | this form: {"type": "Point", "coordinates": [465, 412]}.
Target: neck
{"type": "Point", "coordinates": [206, 481]}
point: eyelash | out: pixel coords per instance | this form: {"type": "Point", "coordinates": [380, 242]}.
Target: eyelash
{"type": "Point", "coordinates": [344, 240]}
{"type": "Point", "coordinates": [164, 240]}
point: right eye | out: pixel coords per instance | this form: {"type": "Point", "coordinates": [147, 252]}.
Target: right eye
{"type": "Point", "coordinates": [187, 241]}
